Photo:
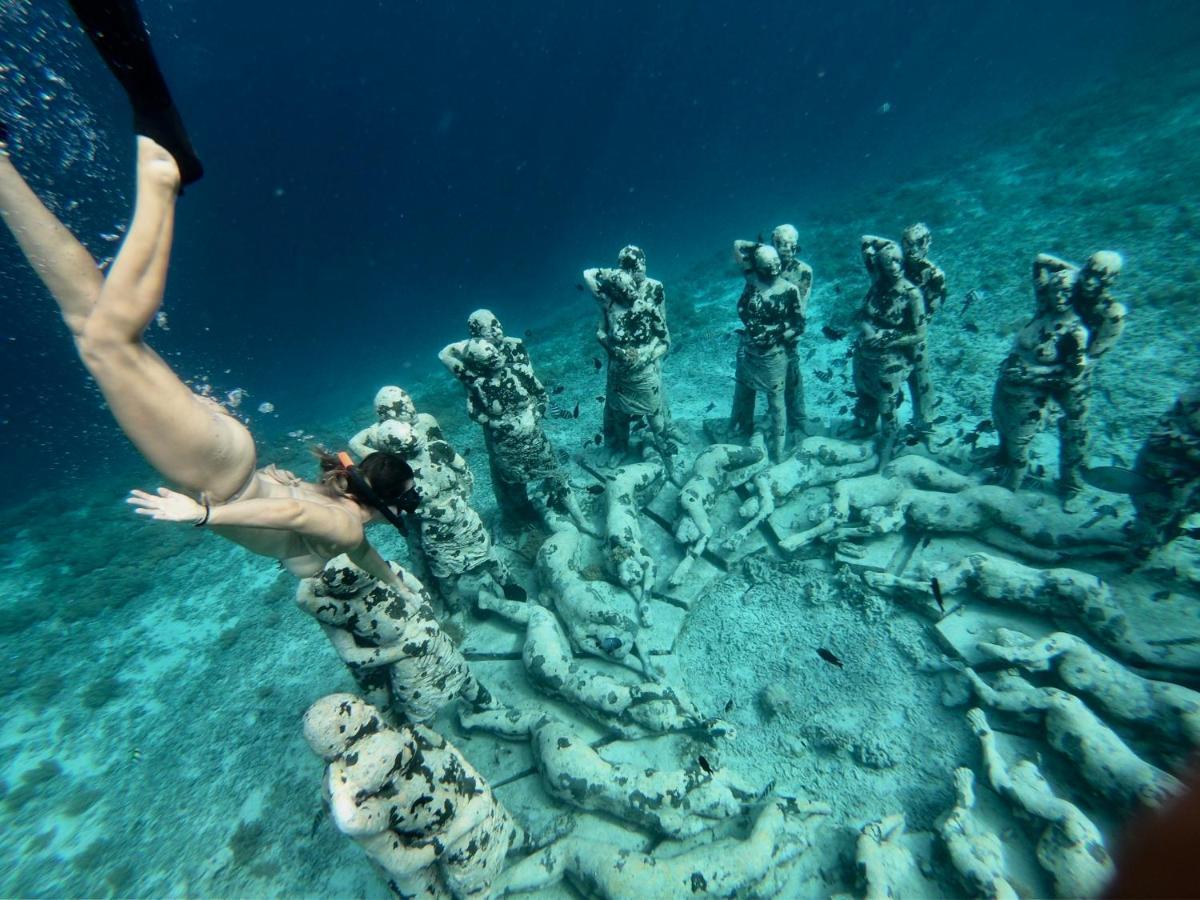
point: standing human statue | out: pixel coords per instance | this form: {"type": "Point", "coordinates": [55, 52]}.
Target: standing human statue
{"type": "Point", "coordinates": [930, 280]}
{"type": "Point", "coordinates": [786, 240]}
{"type": "Point", "coordinates": [771, 311]}
{"type": "Point", "coordinates": [1104, 317]}
{"type": "Point", "coordinates": [506, 399]}
{"type": "Point", "coordinates": [1046, 364]}
{"type": "Point", "coordinates": [892, 326]}
{"type": "Point", "coordinates": [633, 332]}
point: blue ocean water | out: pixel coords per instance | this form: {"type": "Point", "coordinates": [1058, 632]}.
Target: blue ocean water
{"type": "Point", "coordinates": [375, 173]}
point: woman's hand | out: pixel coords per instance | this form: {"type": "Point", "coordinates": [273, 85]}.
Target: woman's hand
{"type": "Point", "coordinates": [166, 506]}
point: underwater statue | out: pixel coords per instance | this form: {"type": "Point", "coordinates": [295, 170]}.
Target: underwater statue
{"type": "Point", "coordinates": [1049, 592]}
{"type": "Point", "coordinates": [675, 803]}
{"type": "Point", "coordinates": [392, 402]}
{"type": "Point", "coordinates": [772, 319]}
{"type": "Point", "coordinates": [631, 710]}
{"type": "Point", "coordinates": [976, 852]}
{"type": "Point", "coordinates": [886, 868]}
{"type": "Point", "coordinates": [629, 489]}
{"type": "Point", "coordinates": [633, 332]}
{"type": "Point", "coordinates": [1047, 364]}
{"type": "Point", "coordinates": [1071, 847]}
{"type": "Point", "coordinates": [1100, 756]}
{"type": "Point", "coordinates": [892, 326]}
{"type": "Point", "coordinates": [786, 241]}
{"type": "Point", "coordinates": [389, 639]}
{"type": "Point", "coordinates": [1169, 711]}
{"type": "Point", "coordinates": [817, 461]}
{"type": "Point", "coordinates": [930, 280]}
{"type": "Point", "coordinates": [422, 813]}
{"type": "Point", "coordinates": [509, 403]}
{"type": "Point", "coordinates": [726, 867]}
{"type": "Point", "coordinates": [720, 468]}
{"type": "Point", "coordinates": [1168, 465]}
{"type": "Point", "coordinates": [916, 492]}
{"type": "Point", "coordinates": [450, 540]}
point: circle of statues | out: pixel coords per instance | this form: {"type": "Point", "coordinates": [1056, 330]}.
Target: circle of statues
{"type": "Point", "coordinates": [663, 510]}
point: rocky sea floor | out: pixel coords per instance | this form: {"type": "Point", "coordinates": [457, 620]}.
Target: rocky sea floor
{"type": "Point", "coordinates": [155, 677]}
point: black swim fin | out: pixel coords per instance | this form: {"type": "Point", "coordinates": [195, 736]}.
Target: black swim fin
{"type": "Point", "coordinates": [118, 32]}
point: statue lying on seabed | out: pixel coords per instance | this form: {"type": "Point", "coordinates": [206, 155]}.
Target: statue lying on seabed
{"type": "Point", "coordinates": [629, 489]}
{"type": "Point", "coordinates": [917, 492]}
{"type": "Point", "coordinates": [631, 710]}
{"type": "Point", "coordinates": [389, 639]}
{"type": "Point", "coordinates": [675, 803]}
{"type": "Point", "coordinates": [724, 868]}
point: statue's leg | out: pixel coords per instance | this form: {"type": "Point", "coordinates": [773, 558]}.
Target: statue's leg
{"type": "Point", "coordinates": [776, 424]}
{"type": "Point", "coordinates": [1075, 401]}
{"type": "Point", "coordinates": [920, 386]}
{"type": "Point", "coordinates": [741, 416]}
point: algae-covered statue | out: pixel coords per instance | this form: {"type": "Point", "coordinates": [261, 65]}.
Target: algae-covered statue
{"type": "Point", "coordinates": [450, 540]}
{"type": "Point", "coordinates": [411, 800]}
{"type": "Point", "coordinates": [1101, 757]}
{"type": "Point", "coordinates": [1070, 847]}
{"type": "Point", "coordinates": [633, 332]}
{"type": "Point", "coordinates": [786, 241]}
{"type": "Point", "coordinates": [389, 639]}
{"type": "Point", "coordinates": [630, 709]}
{"type": "Point", "coordinates": [719, 468]}
{"type": "Point", "coordinates": [976, 852]}
{"type": "Point", "coordinates": [395, 403]}
{"type": "Point", "coordinates": [930, 280]}
{"type": "Point", "coordinates": [892, 326]}
{"type": "Point", "coordinates": [726, 867]}
{"type": "Point", "coordinates": [772, 319]}
{"type": "Point", "coordinates": [1046, 365]}
{"type": "Point", "coordinates": [1168, 466]}
{"type": "Point", "coordinates": [629, 489]}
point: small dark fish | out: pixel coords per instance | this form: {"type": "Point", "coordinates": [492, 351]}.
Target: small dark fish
{"type": "Point", "coordinates": [851, 394]}
{"type": "Point", "coordinates": [575, 411]}
{"type": "Point", "coordinates": [829, 657]}
{"type": "Point", "coordinates": [595, 489]}
{"type": "Point", "coordinates": [939, 420]}
{"type": "Point", "coordinates": [912, 441]}
{"type": "Point", "coordinates": [843, 410]}
{"type": "Point", "coordinates": [597, 364]}
{"type": "Point", "coordinates": [971, 297]}
{"type": "Point", "coordinates": [558, 389]}
{"type": "Point", "coordinates": [580, 287]}
{"type": "Point", "coordinates": [837, 288]}
{"type": "Point", "coordinates": [704, 764]}
{"type": "Point", "coordinates": [936, 586]}
{"type": "Point", "coordinates": [970, 328]}
{"type": "Point", "coordinates": [729, 705]}
{"type": "Point", "coordinates": [599, 439]}
{"type": "Point", "coordinates": [948, 440]}
{"type": "Point", "coordinates": [810, 354]}
{"type": "Point", "coordinates": [1118, 480]}
{"type": "Point", "coordinates": [834, 334]}
{"type": "Point", "coordinates": [971, 439]}
{"type": "Point", "coordinates": [825, 376]}
{"type": "Point", "coordinates": [959, 418]}
{"type": "Point", "coordinates": [712, 404]}
{"type": "Point", "coordinates": [985, 427]}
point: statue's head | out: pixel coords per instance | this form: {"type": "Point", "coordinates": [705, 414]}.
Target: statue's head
{"type": "Point", "coordinates": [399, 437]}
{"type": "Point", "coordinates": [632, 260]}
{"type": "Point", "coordinates": [393, 402]}
{"type": "Point", "coordinates": [767, 263]}
{"type": "Point", "coordinates": [917, 239]}
{"type": "Point", "coordinates": [335, 722]}
{"type": "Point", "coordinates": [883, 259]}
{"type": "Point", "coordinates": [483, 356]}
{"type": "Point", "coordinates": [787, 241]}
{"type": "Point", "coordinates": [1099, 273]}
{"type": "Point", "coordinates": [483, 324]}
{"type": "Point", "coordinates": [619, 285]}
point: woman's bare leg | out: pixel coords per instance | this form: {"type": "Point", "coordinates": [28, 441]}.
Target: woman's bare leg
{"type": "Point", "coordinates": [187, 438]}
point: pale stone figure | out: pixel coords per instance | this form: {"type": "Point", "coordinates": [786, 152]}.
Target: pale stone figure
{"type": "Point", "coordinates": [892, 325]}
{"type": "Point", "coordinates": [770, 310]}
{"type": "Point", "coordinates": [1050, 592]}
{"type": "Point", "coordinates": [629, 489]}
{"type": "Point", "coordinates": [1046, 364]}
{"type": "Point", "coordinates": [786, 241]}
{"type": "Point", "coordinates": [394, 403]}
{"type": "Point", "coordinates": [817, 461]}
{"type": "Point", "coordinates": [885, 866]}
{"type": "Point", "coordinates": [450, 539]}
{"type": "Point", "coordinates": [632, 710]}
{"type": "Point", "coordinates": [976, 852]}
{"type": "Point", "coordinates": [930, 280]}
{"type": "Point", "coordinates": [1170, 711]}
{"type": "Point", "coordinates": [389, 639]}
{"type": "Point", "coordinates": [1071, 847]}
{"type": "Point", "coordinates": [633, 332]}
{"type": "Point", "coordinates": [720, 468]}
{"type": "Point", "coordinates": [411, 800]}
{"type": "Point", "coordinates": [724, 868]}
{"type": "Point", "coordinates": [1104, 760]}
{"type": "Point", "coordinates": [1169, 463]}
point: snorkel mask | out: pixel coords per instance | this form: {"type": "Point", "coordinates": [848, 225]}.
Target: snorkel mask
{"type": "Point", "coordinates": [406, 502]}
